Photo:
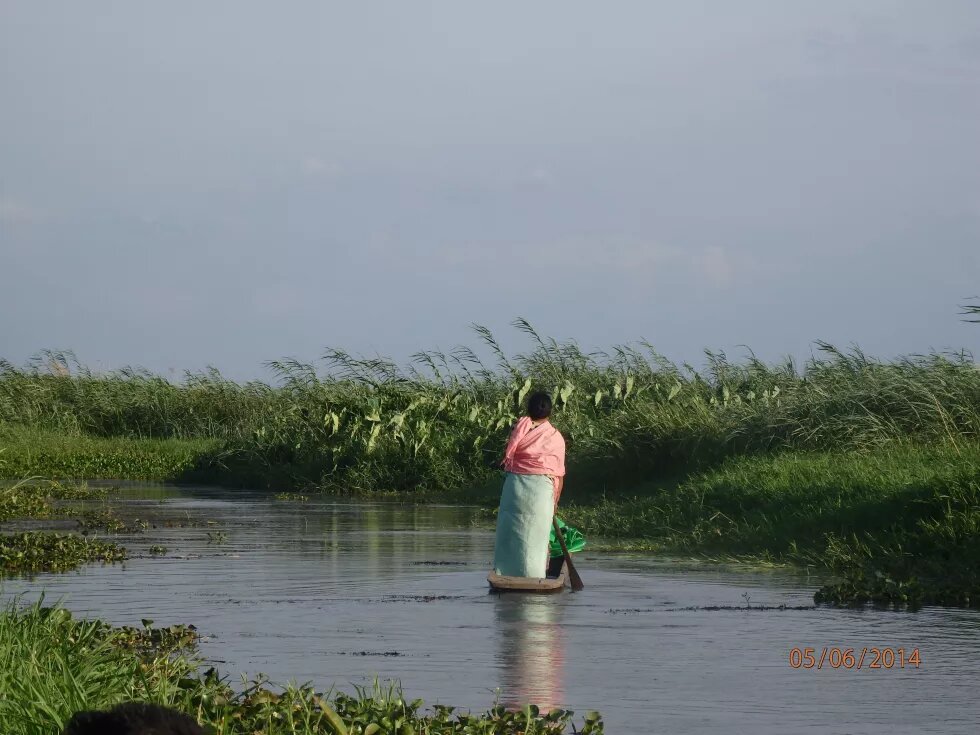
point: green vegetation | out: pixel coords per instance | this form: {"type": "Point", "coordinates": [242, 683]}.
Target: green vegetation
{"type": "Point", "coordinates": [846, 462]}
{"type": "Point", "coordinates": [900, 524]}
{"type": "Point", "coordinates": [217, 537]}
{"type": "Point", "coordinates": [35, 498]}
{"type": "Point", "coordinates": [30, 552]}
{"type": "Point", "coordinates": [292, 497]}
{"type": "Point", "coordinates": [50, 552]}
{"type": "Point", "coordinates": [368, 425]}
{"type": "Point", "coordinates": [52, 665]}
{"type": "Point", "coordinates": [107, 521]}
{"type": "Point", "coordinates": [28, 450]}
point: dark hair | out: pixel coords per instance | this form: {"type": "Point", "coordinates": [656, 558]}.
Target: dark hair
{"type": "Point", "coordinates": [539, 406]}
{"type": "Point", "coordinates": [134, 718]}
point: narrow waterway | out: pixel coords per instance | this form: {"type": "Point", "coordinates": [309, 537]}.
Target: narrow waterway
{"type": "Point", "coordinates": [339, 593]}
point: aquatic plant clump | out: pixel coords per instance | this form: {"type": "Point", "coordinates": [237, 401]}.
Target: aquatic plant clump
{"type": "Point", "coordinates": [23, 502]}
{"type": "Point", "coordinates": [107, 521]}
{"type": "Point", "coordinates": [35, 498]}
{"type": "Point", "coordinates": [292, 497]}
{"type": "Point", "coordinates": [52, 665]}
{"type": "Point", "coordinates": [35, 551]}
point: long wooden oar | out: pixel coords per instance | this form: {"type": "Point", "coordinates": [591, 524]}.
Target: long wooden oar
{"type": "Point", "coordinates": [577, 585]}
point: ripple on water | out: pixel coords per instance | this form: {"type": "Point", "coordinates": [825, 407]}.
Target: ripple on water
{"type": "Point", "coordinates": [337, 592]}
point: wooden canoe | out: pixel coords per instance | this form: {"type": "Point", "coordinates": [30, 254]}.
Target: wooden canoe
{"type": "Point", "coordinates": [502, 583]}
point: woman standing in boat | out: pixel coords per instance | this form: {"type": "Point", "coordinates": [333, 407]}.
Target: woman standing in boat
{"type": "Point", "coordinates": [535, 465]}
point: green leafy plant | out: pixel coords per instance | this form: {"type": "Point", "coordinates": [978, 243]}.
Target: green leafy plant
{"type": "Point", "coordinates": [52, 665]}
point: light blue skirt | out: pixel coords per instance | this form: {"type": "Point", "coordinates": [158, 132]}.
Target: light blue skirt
{"type": "Point", "coordinates": [527, 505]}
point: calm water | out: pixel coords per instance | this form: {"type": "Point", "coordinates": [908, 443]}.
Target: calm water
{"type": "Point", "coordinates": [338, 593]}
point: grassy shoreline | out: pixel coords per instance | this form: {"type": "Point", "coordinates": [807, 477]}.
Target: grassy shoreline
{"type": "Point", "coordinates": [28, 452]}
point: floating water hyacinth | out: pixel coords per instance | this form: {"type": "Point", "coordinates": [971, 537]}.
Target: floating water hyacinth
{"type": "Point", "coordinates": [24, 553]}
{"type": "Point", "coordinates": [59, 665]}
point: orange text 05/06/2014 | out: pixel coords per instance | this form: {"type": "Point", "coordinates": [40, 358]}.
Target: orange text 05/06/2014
{"type": "Point", "coordinates": [835, 657]}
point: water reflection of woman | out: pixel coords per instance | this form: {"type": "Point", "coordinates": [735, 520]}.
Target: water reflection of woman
{"type": "Point", "coordinates": [531, 651]}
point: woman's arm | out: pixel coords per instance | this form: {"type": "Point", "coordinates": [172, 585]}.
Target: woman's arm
{"type": "Point", "coordinates": [559, 482]}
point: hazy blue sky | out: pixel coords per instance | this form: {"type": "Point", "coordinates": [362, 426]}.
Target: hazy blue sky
{"type": "Point", "coordinates": [190, 183]}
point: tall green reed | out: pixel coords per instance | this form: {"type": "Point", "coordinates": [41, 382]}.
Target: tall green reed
{"type": "Point", "coordinates": [368, 423]}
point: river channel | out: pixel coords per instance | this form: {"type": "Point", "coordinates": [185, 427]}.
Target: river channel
{"type": "Point", "coordinates": [340, 592]}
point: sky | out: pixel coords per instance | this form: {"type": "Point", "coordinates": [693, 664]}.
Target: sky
{"type": "Point", "coordinates": [187, 184]}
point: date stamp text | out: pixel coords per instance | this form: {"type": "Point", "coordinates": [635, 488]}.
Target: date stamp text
{"type": "Point", "coordinates": [851, 658]}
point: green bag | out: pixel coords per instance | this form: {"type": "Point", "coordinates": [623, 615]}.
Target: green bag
{"type": "Point", "coordinates": [574, 539]}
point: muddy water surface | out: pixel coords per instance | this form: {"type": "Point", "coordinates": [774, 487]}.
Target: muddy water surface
{"type": "Point", "coordinates": [341, 592]}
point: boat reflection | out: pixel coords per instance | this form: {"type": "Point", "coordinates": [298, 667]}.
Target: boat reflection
{"type": "Point", "coordinates": [531, 650]}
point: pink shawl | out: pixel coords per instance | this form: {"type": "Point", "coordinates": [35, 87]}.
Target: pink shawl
{"type": "Point", "coordinates": [535, 450]}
